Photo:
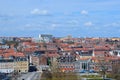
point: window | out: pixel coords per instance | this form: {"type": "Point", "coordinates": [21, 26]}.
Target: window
{"type": "Point", "coordinates": [84, 65]}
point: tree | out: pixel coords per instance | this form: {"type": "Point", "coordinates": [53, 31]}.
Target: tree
{"type": "Point", "coordinates": [57, 74]}
{"type": "Point", "coordinates": [103, 66]}
{"type": "Point", "coordinates": [9, 43]}
{"type": "Point", "coordinates": [115, 74]}
{"type": "Point", "coordinates": [48, 61]}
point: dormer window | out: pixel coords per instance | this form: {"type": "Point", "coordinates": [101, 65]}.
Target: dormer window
{"type": "Point", "coordinates": [11, 57]}
{"type": "Point", "coordinates": [1, 57]}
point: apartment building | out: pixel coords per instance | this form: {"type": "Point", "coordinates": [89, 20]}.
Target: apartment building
{"type": "Point", "coordinates": [21, 65]}
{"type": "Point", "coordinates": [6, 65]}
{"type": "Point", "coordinates": [11, 65]}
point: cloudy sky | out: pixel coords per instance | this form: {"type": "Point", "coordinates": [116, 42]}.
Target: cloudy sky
{"type": "Point", "coordinates": [79, 18]}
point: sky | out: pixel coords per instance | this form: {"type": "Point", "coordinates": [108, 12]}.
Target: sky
{"type": "Point", "coordinates": [79, 18]}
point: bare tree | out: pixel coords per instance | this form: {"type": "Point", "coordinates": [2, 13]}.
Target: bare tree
{"type": "Point", "coordinates": [115, 71]}
{"type": "Point", "coordinates": [57, 74]}
{"type": "Point", "coordinates": [103, 66]}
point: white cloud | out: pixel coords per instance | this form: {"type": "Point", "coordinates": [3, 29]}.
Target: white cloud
{"type": "Point", "coordinates": [112, 24]}
{"type": "Point", "coordinates": [88, 23]}
{"type": "Point", "coordinates": [32, 27]}
{"type": "Point", "coordinates": [53, 26]}
{"type": "Point", "coordinates": [73, 22]}
{"type": "Point", "coordinates": [39, 12]}
{"type": "Point", "coordinates": [84, 12]}
{"type": "Point", "coordinates": [28, 25]}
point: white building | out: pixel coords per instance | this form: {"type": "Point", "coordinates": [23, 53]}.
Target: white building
{"type": "Point", "coordinates": [6, 66]}
{"type": "Point", "coordinates": [45, 38]}
{"type": "Point", "coordinates": [81, 65]}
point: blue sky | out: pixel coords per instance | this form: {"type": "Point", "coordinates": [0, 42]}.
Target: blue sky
{"type": "Point", "coordinates": [79, 18]}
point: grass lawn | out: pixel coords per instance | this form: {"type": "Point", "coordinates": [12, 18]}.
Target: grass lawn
{"type": "Point", "coordinates": [59, 76]}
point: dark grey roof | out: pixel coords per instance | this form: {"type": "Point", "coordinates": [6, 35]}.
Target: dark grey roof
{"type": "Point", "coordinates": [6, 60]}
{"type": "Point", "coordinates": [20, 59]}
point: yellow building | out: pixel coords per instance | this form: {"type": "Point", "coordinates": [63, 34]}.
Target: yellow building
{"type": "Point", "coordinates": [113, 39]}
{"type": "Point", "coordinates": [21, 65]}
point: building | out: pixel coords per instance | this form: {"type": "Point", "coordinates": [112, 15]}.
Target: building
{"type": "Point", "coordinates": [21, 65]}
{"type": "Point", "coordinates": [83, 64]}
{"type": "Point", "coordinates": [66, 66]}
{"type": "Point", "coordinates": [11, 65]}
{"type": "Point", "coordinates": [6, 65]}
{"type": "Point", "coordinates": [38, 58]}
{"type": "Point", "coordinates": [66, 62]}
{"type": "Point", "coordinates": [45, 38]}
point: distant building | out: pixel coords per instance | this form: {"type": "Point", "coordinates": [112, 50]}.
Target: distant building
{"type": "Point", "coordinates": [4, 47]}
{"type": "Point", "coordinates": [45, 38]}
{"type": "Point", "coordinates": [116, 53]}
{"type": "Point", "coordinates": [7, 38]}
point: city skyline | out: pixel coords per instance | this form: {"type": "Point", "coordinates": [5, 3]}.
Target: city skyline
{"type": "Point", "coordinates": [78, 18]}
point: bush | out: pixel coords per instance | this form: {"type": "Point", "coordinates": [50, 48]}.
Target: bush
{"type": "Point", "coordinates": [59, 76]}
{"type": "Point", "coordinates": [116, 76]}
{"type": "Point", "coordinates": [91, 76]}
{"type": "Point", "coordinates": [94, 79]}
{"type": "Point", "coordinates": [46, 75]}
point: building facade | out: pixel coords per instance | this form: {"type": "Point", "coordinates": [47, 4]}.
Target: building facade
{"type": "Point", "coordinates": [11, 65]}
{"type": "Point", "coordinates": [6, 65]}
{"type": "Point", "coordinates": [21, 65]}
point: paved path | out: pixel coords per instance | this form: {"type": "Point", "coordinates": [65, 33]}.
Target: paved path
{"type": "Point", "coordinates": [30, 76]}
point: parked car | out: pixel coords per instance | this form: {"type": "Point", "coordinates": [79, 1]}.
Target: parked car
{"type": "Point", "coordinates": [2, 75]}
{"type": "Point", "coordinates": [5, 78]}
{"type": "Point", "coordinates": [108, 79]}
{"type": "Point", "coordinates": [83, 71]}
{"type": "Point", "coordinates": [92, 71]}
{"type": "Point", "coordinates": [32, 68]}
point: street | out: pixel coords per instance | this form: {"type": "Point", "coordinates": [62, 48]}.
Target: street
{"type": "Point", "coordinates": [30, 76]}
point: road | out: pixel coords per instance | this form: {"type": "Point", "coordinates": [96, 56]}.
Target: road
{"type": "Point", "coordinates": [30, 76]}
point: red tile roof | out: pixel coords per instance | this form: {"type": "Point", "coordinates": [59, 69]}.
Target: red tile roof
{"type": "Point", "coordinates": [16, 54]}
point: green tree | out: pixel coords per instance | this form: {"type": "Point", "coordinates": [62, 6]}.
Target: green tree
{"type": "Point", "coordinates": [48, 61]}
